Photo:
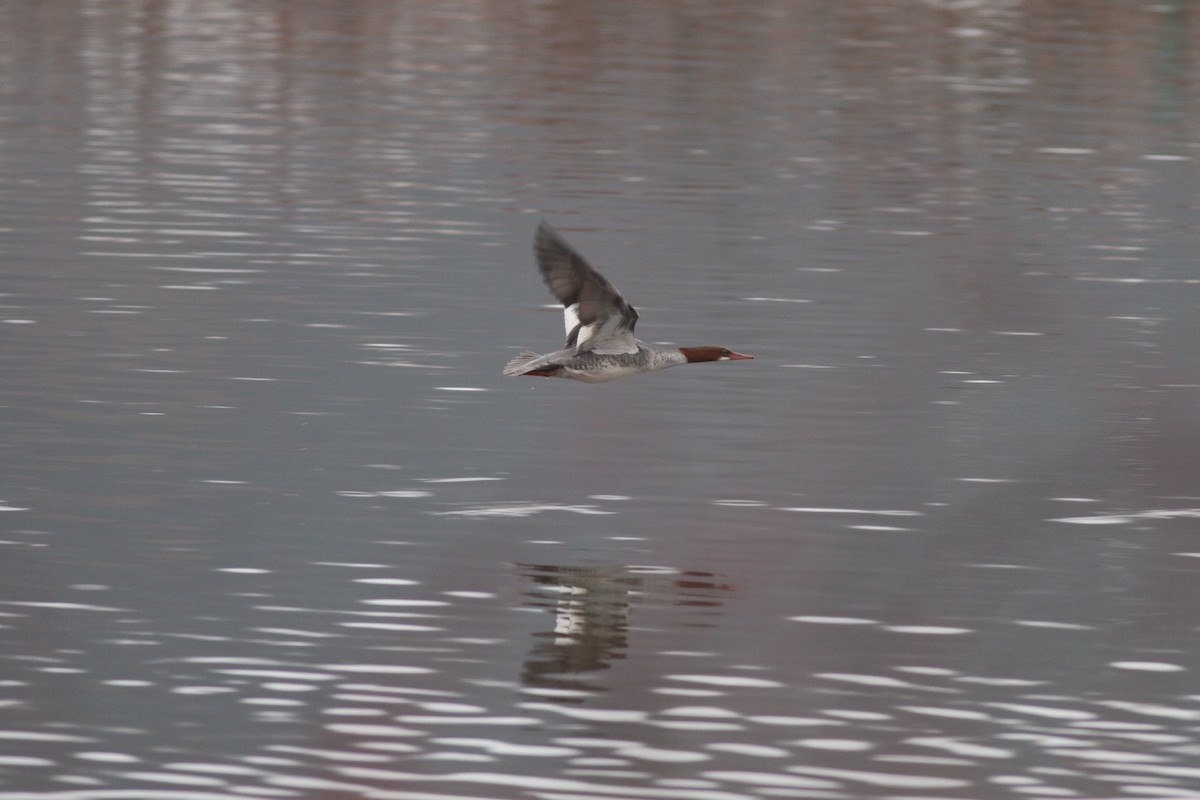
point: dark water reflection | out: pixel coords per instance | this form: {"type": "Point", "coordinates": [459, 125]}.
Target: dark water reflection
{"type": "Point", "coordinates": [591, 618]}
{"type": "Point", "coordinates": [274, 526]}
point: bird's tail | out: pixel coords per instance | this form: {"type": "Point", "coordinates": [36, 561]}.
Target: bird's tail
{"type": "Point", "coordinates": [529, 364]}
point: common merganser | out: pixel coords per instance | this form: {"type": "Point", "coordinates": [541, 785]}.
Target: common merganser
{"type": "Point", "coordinates": [600, 341]}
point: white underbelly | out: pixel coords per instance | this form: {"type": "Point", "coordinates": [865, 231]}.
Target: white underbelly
{"type": "Point", "coordinates": [609, 373]}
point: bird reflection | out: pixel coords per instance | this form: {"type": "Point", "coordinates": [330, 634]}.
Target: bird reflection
{"type": "Point", "coordinates": [591, 607]}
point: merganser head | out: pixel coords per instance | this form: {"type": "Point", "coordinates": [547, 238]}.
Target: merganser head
{"type": "Point", "coordinates": [710, 353]}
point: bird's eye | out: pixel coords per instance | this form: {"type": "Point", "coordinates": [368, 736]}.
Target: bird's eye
{"type": "Point", "coordinates": [725, 352]}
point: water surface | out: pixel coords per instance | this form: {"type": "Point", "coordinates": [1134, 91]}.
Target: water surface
{"type": "Point", "coordinates": [275, 526]}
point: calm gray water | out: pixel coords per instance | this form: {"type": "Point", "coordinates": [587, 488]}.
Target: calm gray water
{"type": "Point", "coordinates": [274, 526]}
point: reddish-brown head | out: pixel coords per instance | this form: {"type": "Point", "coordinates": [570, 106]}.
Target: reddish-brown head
{"type": "Point", "coordinates": [711, 353]}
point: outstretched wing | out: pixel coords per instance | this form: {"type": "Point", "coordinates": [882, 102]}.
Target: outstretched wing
{"type": "Point", "coordinates": [596, 317]}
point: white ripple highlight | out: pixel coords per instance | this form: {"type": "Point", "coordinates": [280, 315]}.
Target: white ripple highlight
{"type": "Point", "coordinates": [884, 779]}
{"type": "Point", "coordinates": [1125, 519]}
{"type": "Point", "coordinates": [376, 669]}
{"type": "Point", "coordinates": [498, 748]}
{"type": "Point", "coordinates": [881, 512]}
{"type": "Point", "coordinates": [770, 779]}
{"type": "Point", "coordinates": [1147, 666]}
{"type": "Point", "coordinates": [520, 510]}
{"type": "Point", "coordinates": [736, 681]}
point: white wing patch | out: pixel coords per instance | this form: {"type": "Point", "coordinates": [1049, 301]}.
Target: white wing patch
{"type": "Point", "coordinates": [607, 333]}
{"type": "Point", "coordinates": [571, 317]}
